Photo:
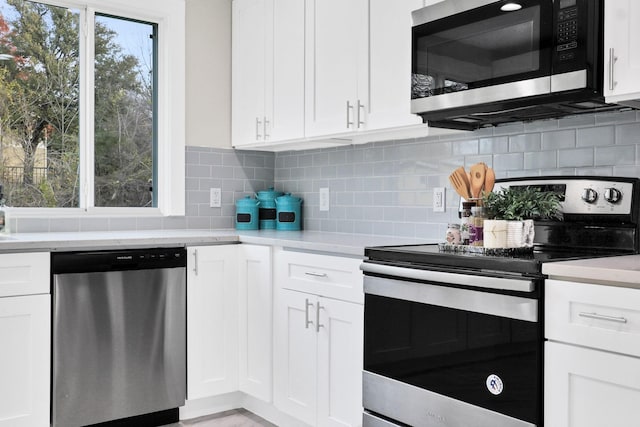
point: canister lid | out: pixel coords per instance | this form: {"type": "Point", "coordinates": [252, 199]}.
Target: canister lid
{"type": "Point", "coordinates": [247, 202]}
{"type": "Point", "coordinates": [268, 194]}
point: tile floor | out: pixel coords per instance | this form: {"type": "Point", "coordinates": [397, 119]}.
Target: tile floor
{"type": "Point", "coordinates": [233, 418]}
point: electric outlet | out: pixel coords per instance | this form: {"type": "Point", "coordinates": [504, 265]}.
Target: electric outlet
{"type": "Point", "coordinates": [324, 199]}
{"type": "Point", "coordinates": [215, 199]}
{"type": "Point", "coordinates": [439, 199]}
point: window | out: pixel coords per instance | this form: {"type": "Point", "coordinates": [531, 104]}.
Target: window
{"type": "Point", "coordinates": [83, 90]}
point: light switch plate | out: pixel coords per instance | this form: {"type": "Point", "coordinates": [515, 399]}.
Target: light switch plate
{"type": "Point", "coordinates": [439, 197]}
{"type": "Point", "coordinates": [324, 199]}
{"type": "Point", "coordinates": [215, 199]}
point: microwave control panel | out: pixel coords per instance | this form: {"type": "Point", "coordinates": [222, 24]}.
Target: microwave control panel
{"type": "Point", "coordinates": [567, 29]}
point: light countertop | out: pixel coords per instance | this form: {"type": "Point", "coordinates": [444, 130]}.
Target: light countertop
{"type": "Point", "coordinates": [618, 270]}
{"type": "Point", "coordinates": [337, 243]}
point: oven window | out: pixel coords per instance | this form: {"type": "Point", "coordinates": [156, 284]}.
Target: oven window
{"type": "Point", "coordinates": [488, 361]}
{"type": "Point", "coordinates": [481, 47]}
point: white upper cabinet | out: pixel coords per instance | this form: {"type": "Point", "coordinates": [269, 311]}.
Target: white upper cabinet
{"type": "Point", "coordinates": [390, 64]}
{"type": "Point", "coordinates": [249, 70]}
{"type": "Point", "coordinates": [622, 51]}
{"type": "Point", "coordinates": [267, 71]}
{"type": "Point", "coordinates": [317, 73]}
{"type": "Point", "coordinates": [336, 62]}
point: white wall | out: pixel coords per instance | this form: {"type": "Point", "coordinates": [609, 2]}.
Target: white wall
{"type": "Point", "coordinates": [208, 73]}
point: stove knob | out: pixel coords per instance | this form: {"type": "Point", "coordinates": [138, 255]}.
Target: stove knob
{"type": "Point", "coordinates": [612, 195]}
{"type": "Point", "coordinates": [589, 195]}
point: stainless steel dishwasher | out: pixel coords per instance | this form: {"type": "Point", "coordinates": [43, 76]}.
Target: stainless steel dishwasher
{"type": "Point", "coordinates": [119, 337]}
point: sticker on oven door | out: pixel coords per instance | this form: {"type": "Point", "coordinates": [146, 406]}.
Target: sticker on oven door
{"type": "Point", "coordinates": [494, 384]}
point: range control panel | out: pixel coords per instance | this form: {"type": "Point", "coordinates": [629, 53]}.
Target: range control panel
{"type": "Point", "coordinates": [584, 195]}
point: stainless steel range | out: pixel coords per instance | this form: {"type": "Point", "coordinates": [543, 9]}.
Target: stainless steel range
{"type": "Point", "coordinates": [456, 339]}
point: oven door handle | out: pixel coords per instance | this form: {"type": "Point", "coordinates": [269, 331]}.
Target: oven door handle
{"type": "Point", "coordinates": [477, 301]}
{"type": "Point", "coordinates": [487, 282]}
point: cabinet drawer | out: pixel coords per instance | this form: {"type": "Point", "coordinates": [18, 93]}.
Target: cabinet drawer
{"type": "Point", "coordinates": [326, 275]}
{"type": "Point", "coordinates": [604, 317]}
{"type": "Point", "coordinates": [24, 273]}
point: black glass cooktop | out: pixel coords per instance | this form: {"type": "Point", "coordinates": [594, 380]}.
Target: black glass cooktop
{"type": "Point", "coordinates": [430, 255]}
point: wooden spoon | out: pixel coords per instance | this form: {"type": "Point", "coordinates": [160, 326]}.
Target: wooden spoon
{"type": "Point", "coordinates": [489, 180]}
{"type": "Point", "coordinates": [477, 179]}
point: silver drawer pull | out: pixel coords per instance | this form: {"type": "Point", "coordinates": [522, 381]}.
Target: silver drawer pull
{"type": "Point", "coordinates": [314, 274]}
{"type": "Point", "coordinates": [603, 317]}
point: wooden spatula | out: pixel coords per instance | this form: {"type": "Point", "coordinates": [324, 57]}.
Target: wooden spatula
{"type": "Point", "coordinates": [460, 182]}
{"type": "Point", "coordinates": [489, 180]}
{"type": "Point", "coordinates": [477, 179]}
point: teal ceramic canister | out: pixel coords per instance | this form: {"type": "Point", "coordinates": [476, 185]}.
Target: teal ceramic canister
{"type": "Point", "coordinates": [267, 199]}
{"type": "Point", "coordinates": [247, 213]}
{"type": "Point", "coordinates": [289, 212]}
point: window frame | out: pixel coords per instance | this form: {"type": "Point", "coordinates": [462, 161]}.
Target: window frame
{"type": "Point", "coordinates": [169, 16]}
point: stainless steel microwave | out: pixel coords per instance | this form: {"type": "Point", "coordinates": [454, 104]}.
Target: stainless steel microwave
{"type": "Point", "coordinates": [478, 63]}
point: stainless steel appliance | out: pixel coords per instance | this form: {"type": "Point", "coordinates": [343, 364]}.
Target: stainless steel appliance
{"type": "Point", "coordinates": [455, 339]}
{"type": "Point", "coordinates": [483, 62]}
{"type": "Point", "coordinates": [119, 337]}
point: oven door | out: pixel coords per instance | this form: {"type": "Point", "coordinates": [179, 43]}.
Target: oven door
{"type": "Point", "coordinates": [480, 55]}
{"type": "Point", "coordinates": [436, 355]}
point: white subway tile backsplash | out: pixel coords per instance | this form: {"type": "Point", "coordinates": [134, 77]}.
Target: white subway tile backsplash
{"type": "Point", "coordinates": [525, 142]}
{"type": "Point", "coordinates": [540, 160]}
{"type": "Point", "coordinates": [615, 155]}
{"type": "Point", "coordinates": [597, 136]}
{"type": "Point", "coordinates": [559, 139]}
{"type": "Point", "coordinates": [575, 158]}
{"type": "Point", "coordinates": [494, 145]}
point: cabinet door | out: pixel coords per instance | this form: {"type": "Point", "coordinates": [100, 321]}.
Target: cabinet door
{"type": "Point", "coordinates": [590, 388]}
{"type": "Point", "coordinates": [25, 330]}
{"type": "Point", "coordinates": [336, 58]}
{"type": "Point", "coordinates": [295, 364]}
{"type": "Point", "coordinates": [390, 64]}
{"type": "Point", "coordinates": [622, 41]}
{"type": "Point", "coordinates": [285, 72]}
{"type": "Point", "coordinates": [255, 321]}
{"type": "Point", "coordinates": [25, 274]}
{"type": "Point", "coordinates": [248, 63]}
{"type": "Point", "coordinates": [212, 343]}
{"type": "Point", "coordinates": [340, 349]}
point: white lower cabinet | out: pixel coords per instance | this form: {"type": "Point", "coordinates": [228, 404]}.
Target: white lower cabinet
{"type": "Point", "coordinates": [590, 388]}
{"type": "Point", "coordinates": [255, 322]}
{"type": "Point", "coordinates": [318, 359]}
{"type": "Point", "coordinates": [318, 341]}
{"type": "Point", "coordinates": [592, 356]}
{"type": "Point", "coordinates": [25, 334]}
{"type": "Point", "coordinates": [212, 326]}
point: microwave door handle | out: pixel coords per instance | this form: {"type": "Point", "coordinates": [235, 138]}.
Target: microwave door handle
{"type": "Point", "coordinates": [612, 60]}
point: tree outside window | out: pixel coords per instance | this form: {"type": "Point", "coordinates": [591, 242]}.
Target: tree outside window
{"type": "Point", "coordinates": [41, 101]}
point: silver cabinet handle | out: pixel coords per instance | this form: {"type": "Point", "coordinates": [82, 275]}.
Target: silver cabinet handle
{"type": "Point", "coordinates": [318, 325]}
{"type": "Point", "coordinates": [603, 317]}
{"type": "Point", "coordinates": [349, 108]}
{"type": "Point", "coordinates": [266, 124]}
{"type": "Point", "coordinates": [258, 123]}
{"type": "Point", "coordinates": [307, 304]}
{"type": "Point", "coordinates": [360, 107]}
{"type": "Point", "coordinates": [195, 261]}
{"type": "Point", "coordinates": [314, 274]}
{"type": "Point", "coordinates": [612, 61]}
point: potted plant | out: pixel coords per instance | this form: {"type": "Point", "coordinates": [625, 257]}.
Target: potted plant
{"type": "Point", "coordinates": [511, 212]}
